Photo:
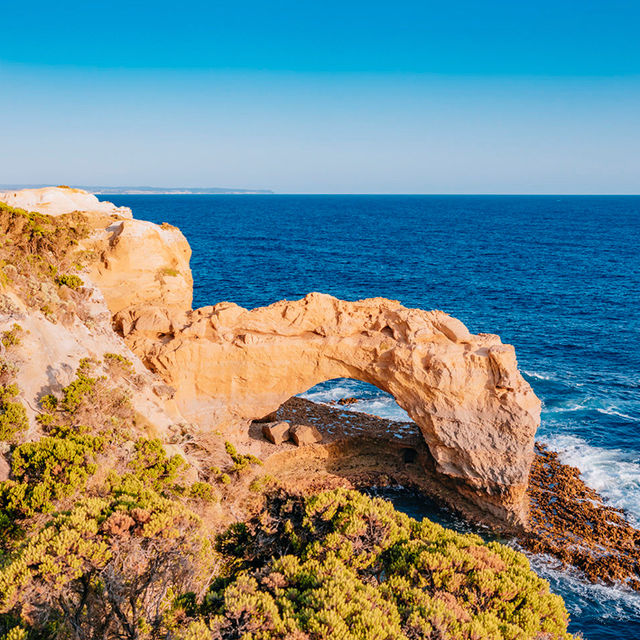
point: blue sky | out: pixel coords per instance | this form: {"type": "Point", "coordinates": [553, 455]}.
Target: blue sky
{"type": "Point", "coordinates": [331, 97]}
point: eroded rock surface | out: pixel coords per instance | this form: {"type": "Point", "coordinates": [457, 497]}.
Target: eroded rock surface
{"type": "Point", "coordinates": [276, 432]}
{"type": "Point", "coordinates": [141, 263]}
{"type": "Point", "coordinates": [230, 365]}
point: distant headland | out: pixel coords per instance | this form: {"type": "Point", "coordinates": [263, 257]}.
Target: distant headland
{"type": "Point", "coordinates": [102, 190]}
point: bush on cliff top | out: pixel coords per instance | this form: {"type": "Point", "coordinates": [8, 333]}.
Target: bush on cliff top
{"type": "Point", "coordinates": [13, 415]}
{"type": "Point", "coordinates": [341, 565]}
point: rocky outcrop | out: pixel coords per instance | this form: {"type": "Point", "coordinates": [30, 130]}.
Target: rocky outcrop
{"type": "Point", "coordinates": [302, 434]}
{"type": "Point", "coordinates": [276, 432]}
{"type": "Point", "coordinates": [141, 263]}
{"type": "Point", "coordinates": [48, 355]}
{"type": "Point", "coordinates": [135, 262]}
{"type": "Point", "coordinates": [230, 365]}
{"type": "Point", "coordinates": [55, 201]}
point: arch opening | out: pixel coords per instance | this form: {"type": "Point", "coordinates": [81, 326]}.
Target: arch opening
{"type": "Point", "coordinates": [355, 395]}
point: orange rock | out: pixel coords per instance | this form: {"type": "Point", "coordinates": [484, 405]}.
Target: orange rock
{"type": "Point", "coordinates": [276, 432]}
{"type": "Point", "coordinates": [303, 434]}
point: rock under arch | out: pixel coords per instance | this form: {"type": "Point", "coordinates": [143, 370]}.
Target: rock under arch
{"type": "Point", "coordinates": [230, 365]}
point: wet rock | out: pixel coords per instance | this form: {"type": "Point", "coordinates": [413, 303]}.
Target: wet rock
{"type": "Point", "coordinates": [347, 401]}
{"type": "Point", "coordinates": [572, 522]}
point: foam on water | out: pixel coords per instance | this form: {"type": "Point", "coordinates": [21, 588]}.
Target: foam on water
{"type": "Point", "coordinates": [370, 399]}
{"type": "Point", "coordinates": [614, 473]}
{"type": "Point", "coordinates": [610, 612]}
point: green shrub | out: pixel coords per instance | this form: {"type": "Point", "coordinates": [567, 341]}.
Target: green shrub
{"type": "Point", "coordinates": [202, 491]}
{"type": "Point", "coordinates": [4, 276]}
{"type": "Point", "coordinates": [74, 393]}
{"type": "Point", "coordinates": [259, 484]}
{"type": "Point", "coordinates": [45, 471]}
{"type": "Point", "coordinates": [152, 464]}
{"type": "Point", "coordinates": [70, 280]}
{"type": "Point", "coordinates": [240, 461]}
{"type": "Point", "coordinates": [11, 337]}
{"type": "Point", "coordinates": [363, 570]}
{"type": "Point", "coordinates": [129, 552]}
{"type": "Point", "coordinates": [49, 402]}
{"type": "Point", "coordinates": [13, 416]}
{"type": "Point", "coordinates": [8, 371]}
{"type": "Point", "coordinates": [89, 401]}
{"type": "Point", "coordinates": [118, 364]}
{"type": "Point", "coordinates": [17, 633]}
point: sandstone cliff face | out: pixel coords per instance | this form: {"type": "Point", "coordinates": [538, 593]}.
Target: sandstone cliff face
{"type": "Point", "coordinates": [230, 365]}
{"type": "Point", "coordinates": [137, 262]}
{"type": "Point", "coordinates": [49, 353]}
{"type": "Point", "coordinates": [141, 263]}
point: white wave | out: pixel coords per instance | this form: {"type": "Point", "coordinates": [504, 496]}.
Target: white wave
{"type": "Point", "coordinates": [568, 407]}
{"type": "Point", "coordinates": [370, 399]}
{"type": "Point", "coordinates": [384, 407]}
{"type": "Point", "coordinates": [597, 600]}
{"type": "Point", "coordinates": [538, 375]}
{"type": "Point", "coordinates": [330, 392]}
{"type": "Point", "coordinates": [614, 473]}
{"type": "Point", "coordinates": [610, 411]}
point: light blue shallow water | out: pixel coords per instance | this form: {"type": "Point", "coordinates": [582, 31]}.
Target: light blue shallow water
{"type": "Point", "coordinates": [558, 277]}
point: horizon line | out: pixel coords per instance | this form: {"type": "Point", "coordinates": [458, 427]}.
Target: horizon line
{"type": "Point", "coordinates": [104, 190]}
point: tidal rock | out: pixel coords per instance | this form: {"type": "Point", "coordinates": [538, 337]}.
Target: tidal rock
{"type": "Point", "coordinates": [230, 366]}
{"type": "Point", "coordinates": [276, 432]}
{"type": "Point", "coordinates": [303, 434]}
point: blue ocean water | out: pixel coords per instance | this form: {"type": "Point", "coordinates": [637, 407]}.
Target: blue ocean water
{"type": "Point", "coordinates": [556, 276]}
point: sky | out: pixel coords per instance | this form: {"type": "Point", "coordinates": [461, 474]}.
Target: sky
{"type": "Point", "coordinates": [323, 97]}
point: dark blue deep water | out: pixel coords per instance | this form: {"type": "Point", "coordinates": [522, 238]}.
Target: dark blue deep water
{"type": "Point", "coordinates": [558, 277]}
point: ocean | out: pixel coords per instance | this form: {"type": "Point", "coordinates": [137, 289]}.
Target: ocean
{"type": "Point", "coordinates": [556, 276]}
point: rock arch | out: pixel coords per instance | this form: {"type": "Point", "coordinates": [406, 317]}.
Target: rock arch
{"type": "Point", "coordinates": [230, 365]}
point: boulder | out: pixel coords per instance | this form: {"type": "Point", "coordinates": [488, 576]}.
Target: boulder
{"type": "Point", "coordinates": [276, 432]}
{"type": "Point", "coordinates": [302, 434]}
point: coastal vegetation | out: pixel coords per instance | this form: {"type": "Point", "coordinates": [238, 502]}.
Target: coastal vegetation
{"type": "Point", "coordinates": [106, 534]}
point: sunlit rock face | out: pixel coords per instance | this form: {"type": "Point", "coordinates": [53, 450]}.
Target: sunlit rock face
{"type": "Point", "coordinates": [230, 365]}
{"type": "Point", "coordinates": [141, 263]}
{"type": "Point", "coordinates": [55, 201]}
{"type": "Point", "coordinates": [135, 262]}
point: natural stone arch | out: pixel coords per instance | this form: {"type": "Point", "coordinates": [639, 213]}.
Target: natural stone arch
{"type": "Point", "coordinates": [230, 365]}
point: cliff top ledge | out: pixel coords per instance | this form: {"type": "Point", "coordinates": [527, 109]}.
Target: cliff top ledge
{"type": "Point", "coordinates": [55, 201]}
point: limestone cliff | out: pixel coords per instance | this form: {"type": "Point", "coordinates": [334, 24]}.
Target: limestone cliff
{"type": "Point", "coordinates": [55, 201]}
{"type": "Point", "coordinates": [49, 266]}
